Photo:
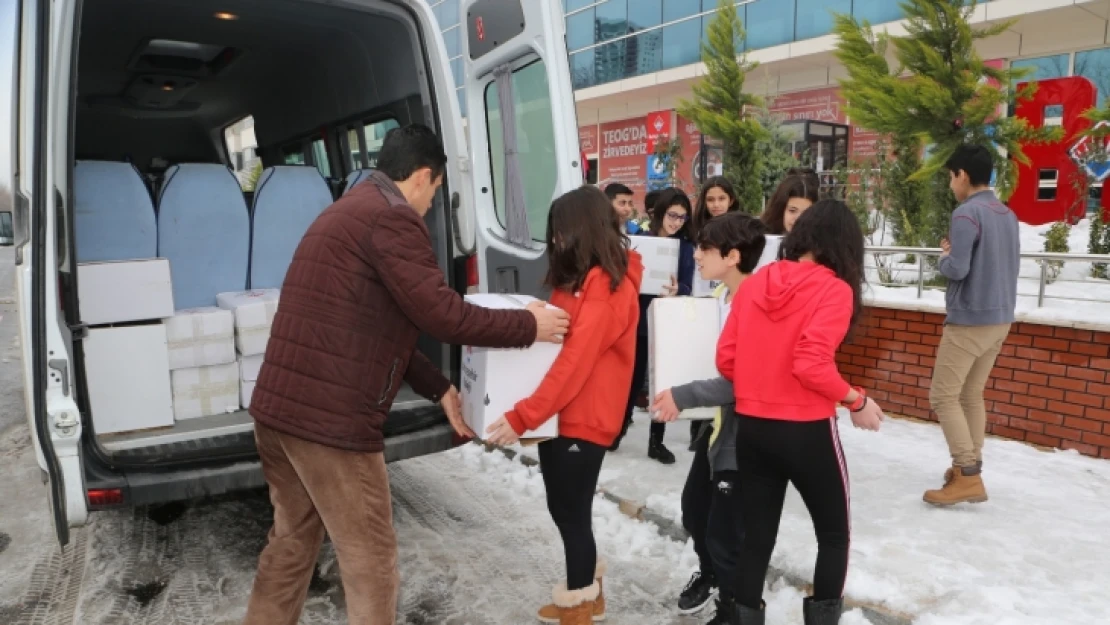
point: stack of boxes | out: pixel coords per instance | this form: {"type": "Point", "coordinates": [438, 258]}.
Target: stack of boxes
{"type": "Point", "coordinates": [203, 368]}
{"type": "Point", "coordinates": [254, 314]}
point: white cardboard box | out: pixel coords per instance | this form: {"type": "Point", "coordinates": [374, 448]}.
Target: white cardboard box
{"type": "Point", "coordinates": [770, 251]}
{"type": "Point", "coordinates": [246, 390]}
{"type": "Point", "coordinates": [254, 314]}
{"type": "Point", "coordinates": [201, 337]}
{"type": "Point", "coordinates": [249, 366]}
{"type": "Point", "coordinates": [494, 380]}
{"type": "Point", "coordinates": [205, 391]}
{"type": "Point", "coordinates": [703, 287]}
{"type": "Point", "coordinates": [660, 257]}
{"type": "Point", "coordinates": [682, 345]}
{"type": "Point", "coordinates": [123, 291]}
{"type": "Point", "coordinates": [127, 370]}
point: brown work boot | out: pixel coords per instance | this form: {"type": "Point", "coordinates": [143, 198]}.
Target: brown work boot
{"type": "Point", "coordinates": [576, 607]}
{"type": "Point", "coordinates": [965, 486]}
{"type": "Point", "coordinates": [950, 472]}
{"type": "Point", "coordinates": [550, 612]}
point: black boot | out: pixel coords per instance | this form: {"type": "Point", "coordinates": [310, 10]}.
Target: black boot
{"type": "Point", "coordinates": [656, 449]}
{"type": "Point", "coordinates": [825, 612]}
{"type": "Point", "coordinates": [743, 615]}
{"type": "Point", "coordinates": [726, 611]}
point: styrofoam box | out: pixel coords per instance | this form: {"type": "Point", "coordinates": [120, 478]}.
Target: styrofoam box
{"type": "Point", "coordinates": [682, 345]}
{"type": "Point", "coordinates": [125, 290]}
{"type": "Point", "coordinates": [128, 378]}
{"type": "Point", "coordinates": [249, 366]}
{"type": "Point", "coordinates": [246, 390]}
{"type": "Point", "coordinates": [660, 256]}
{"type": "Point", "coordinates": [494, 380]}
{"type": "Point", "coordinates": [254, 314]}
{"type": "Point", "coordinates": [770, 251]}
{"type": "Point", "coordinates": [200, 337]}
{"type": "Point", "coordinates": [205, 391]}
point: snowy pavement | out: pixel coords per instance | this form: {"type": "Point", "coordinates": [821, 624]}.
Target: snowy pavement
{"type": "Point", "coordinates": [1035, 553]}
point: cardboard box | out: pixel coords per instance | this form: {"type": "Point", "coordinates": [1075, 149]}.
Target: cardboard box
{"type": "Point", "coordinates": [494, 380]}
{"type": "Point", "coordinates": [128, 375]}
{"type": "Point", "coordinates": [254, 314]}
{"type": "Point", "coordinates": [200, 337]}
{"type": "Point", "coordinates": [246, 390]}
{"type": "Point", "coordinates": [660, 257]}
{"type": "Point", "coordinates": [682, 345]}
{"type": "Point", "coordinates": [249, 366]}
{"type": "Point", "coordinates": [770, 251]}
{"type": "Point", "coordinates": [123, 291]}
{"type": "Point", "coordinates": [703, 287]}
{"type": "Point", "coordinates": [205, 391]}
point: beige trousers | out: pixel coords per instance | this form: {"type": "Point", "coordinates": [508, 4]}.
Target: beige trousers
{"type": "Point", "coordinates": [964, 361]}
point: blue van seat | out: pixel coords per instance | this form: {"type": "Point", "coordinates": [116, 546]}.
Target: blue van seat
{"type": "Point", "coordinates": [114, 215]}
{"type": "Point", "coordinates": [286, 202]}
{"type": "Point", "coordinates": [204, 231]}
{"type": "Point", "coordinates": [355, 177]}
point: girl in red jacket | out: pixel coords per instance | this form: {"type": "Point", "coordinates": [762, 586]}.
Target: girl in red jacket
{"type": "Point", "coordinates": [789, 319]}
{"type": "Point", "coordinates": [596, 279]}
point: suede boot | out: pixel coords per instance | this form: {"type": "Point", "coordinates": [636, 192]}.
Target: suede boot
{"type": "Point", "coordinates": [576, 607]}
{"type": "Point", "coordinates": [825, 612]}
{"type": "Point", "coordinates": [966, 486]}
{"type": "Point", "coordinates": [550, 612]}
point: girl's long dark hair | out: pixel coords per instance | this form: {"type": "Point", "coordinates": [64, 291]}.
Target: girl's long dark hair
{"type": "Point", "coordinates": [831, 232]}
{"type": "Point", "coordinates": [800, 183]}
{"type": "Point", "coordinates": [668, 198]}
{"type": "Point", "coordinates": [701, 214]}
{"type": "Point", "coordinates": [583, 232]}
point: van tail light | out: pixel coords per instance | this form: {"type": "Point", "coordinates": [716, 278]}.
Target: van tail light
{"type": "Point", "coordinates": [104, 497]}
{"type": "Point", "coordinates": [472, 270]}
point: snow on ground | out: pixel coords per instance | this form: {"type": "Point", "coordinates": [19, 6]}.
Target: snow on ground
{"type": "Point", "coordinates": [1035, 553]}
{"type": "Point", "coordinates": [1073, 297]}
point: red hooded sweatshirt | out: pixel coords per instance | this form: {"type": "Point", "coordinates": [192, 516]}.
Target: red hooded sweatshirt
{"type": "Point", "coordinates": [779, 344]}
{"type": "Point", "coordinates": [587, 386]}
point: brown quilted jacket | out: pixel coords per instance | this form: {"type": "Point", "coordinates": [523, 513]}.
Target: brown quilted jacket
{"type": "Point", "coordinates": [363, 284]}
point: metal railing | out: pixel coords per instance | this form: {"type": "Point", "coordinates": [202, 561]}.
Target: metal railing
{"type": "Point", "coordinates": [1044, 259]}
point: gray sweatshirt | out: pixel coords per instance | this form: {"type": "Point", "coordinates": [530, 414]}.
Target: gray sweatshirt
{"type": "Point", "coordinates": [982, 268]}
{"type": "Point", "coordinates": [707, 393]}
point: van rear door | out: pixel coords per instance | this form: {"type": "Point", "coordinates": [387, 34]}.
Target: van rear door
{"type": "Point", "coordinates": [523, 133]}
{"type": "Point", "coordinates": [45, 43]}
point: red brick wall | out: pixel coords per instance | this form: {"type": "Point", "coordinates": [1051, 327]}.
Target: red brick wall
{"type": "Point", "coordinates": [1050, 386]}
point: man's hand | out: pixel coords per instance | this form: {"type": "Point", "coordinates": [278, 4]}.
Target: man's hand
{"type": "Point", "coordinates": [664, 409]}
{"type": "Point", "coordinates": [551, 324]}
{"type": "Point", "coordinates": [501, 433]}
{"type": "Point", "coordinates": [945, 247]}
{"type": "Point", "coordinates": [670, 290]}
{"type": "Point", "coordinates": [452, 407]}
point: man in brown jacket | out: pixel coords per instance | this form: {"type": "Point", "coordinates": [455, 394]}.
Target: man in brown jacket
{"type": "Point", "coordinates": [363, 284]}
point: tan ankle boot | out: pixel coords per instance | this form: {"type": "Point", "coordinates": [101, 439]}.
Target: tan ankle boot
{"type": "Point", "coordinates": [959, 489]}
{"type": "Point", "coordinates": [576, 607]}
{"type": "Point", "coordinates": [550, 612]}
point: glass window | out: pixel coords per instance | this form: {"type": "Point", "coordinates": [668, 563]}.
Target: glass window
{"type": "Point", "coordinates": [451, 40]}
{"type": "Point", "coordinates": [678, 9]}
{"type": "Point", "coordinates": [573, 5]}
{"type": "Point", "coordinates": [375, 135]}
{"type": "Point", "coordinates": [609, 62]}
{"type": "Point", "coordinates": [580, 30]}
{"type": "Point", "coordinates": [643, 14]}
{"type": "Point", "coordinates": [535, 145]}
{"type": "Point", "coordinates": [612, 19]}
{"type": "Point", "coordinates": [461, 94]}
{"type": "Point", "coordinates": [1094, 65]}
{"type": "Point", "coordinates": [293, 156]}
{"type": "Point", "coordinates": [643, 54]}
{"type": "Point", "coordinates": [354, 150]}
{"type": "Point", "coordinates": [1044, 67]}
{"type": "Point", "coordinates": [320, 157]}
{"type": "Point", "coordinates": [447, 13]}
{"type": "Point", "coordinates": [876, 11]}
{"type": "Point", "coordinates": [457, 71]}
{"type": "Point", "coordinates": [682, 44]}
{"type": "Point", "coordinates": [582, 68]}
{"type": "Point", "coordinates": [770, 23]}
{"type": "Point", "coordinates": [815, 17]}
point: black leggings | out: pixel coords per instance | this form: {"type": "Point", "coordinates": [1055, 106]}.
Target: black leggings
{"type": "Point", "coordinates": [639, 378]}
{"type": "Point", "coordinates": [711, 515]}
{"type": "Point", "coordinates": [772, 453]}
{"type": "Point", "coordinates": [570, 468]}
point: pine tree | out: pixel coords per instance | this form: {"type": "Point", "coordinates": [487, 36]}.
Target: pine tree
{"type": "Point", "coordinates": [719, 106]}
{"type": "Point", "coordinates": [776, 150]}
{"type": "Point", "coordinates": [948, 98]}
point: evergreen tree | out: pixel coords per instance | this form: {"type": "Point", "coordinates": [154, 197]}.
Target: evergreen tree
{"type": "Point", "coordinates": [948, 98]}
{"type": "Point", "coordinates": [719, 108]}
{"type": "Point", "coordinates": [776, 150]}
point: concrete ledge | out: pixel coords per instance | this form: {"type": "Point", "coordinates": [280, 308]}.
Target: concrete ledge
{"type": "Point", "coordinates": [878, 615]}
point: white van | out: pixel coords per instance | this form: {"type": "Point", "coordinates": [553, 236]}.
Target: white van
{"type": "Point", "coordinates": [102, 102]}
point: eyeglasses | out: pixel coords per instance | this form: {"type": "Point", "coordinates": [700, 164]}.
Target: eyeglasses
{"type": "Point", "coordinates": [678, 216]}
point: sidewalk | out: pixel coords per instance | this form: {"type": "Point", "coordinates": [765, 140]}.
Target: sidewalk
{"type": "Point", "coordinates": [1035, 553]}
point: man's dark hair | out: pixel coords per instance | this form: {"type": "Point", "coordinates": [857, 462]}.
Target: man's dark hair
{"type": "Point", "coordinates": [583, 232]}
{"type": "Point", "coordinates": [976, 160]}
{"type": "Point", "coordinates": [614, 189]}
{"type": "Point", "coordinates": [735, 231]}
{"type": "Point", "coordinates": [408, 149]}
{"type": "Point", "coordinates": [650, 198]}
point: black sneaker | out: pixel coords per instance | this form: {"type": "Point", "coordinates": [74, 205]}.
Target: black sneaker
{"type": "Point", "coordinates": [699, 591]}
{"type": "Point", "coordinates": [725, 611]}
{"type": "Point", "coordinates": [659, 451]}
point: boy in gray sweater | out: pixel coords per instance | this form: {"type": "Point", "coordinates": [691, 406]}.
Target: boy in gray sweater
{"type": "Point", "coordinates": [981, 259]}
{"type": "Point", "coordinates": [729, 249]}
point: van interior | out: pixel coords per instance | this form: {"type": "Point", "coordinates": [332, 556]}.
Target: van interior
{"type": "Point", "coordinates": [158, 82]}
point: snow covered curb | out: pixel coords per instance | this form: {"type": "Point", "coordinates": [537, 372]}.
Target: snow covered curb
{"type": "Point", "coordinates": [668, 528]}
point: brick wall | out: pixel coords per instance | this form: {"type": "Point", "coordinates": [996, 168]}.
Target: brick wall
{"type": "Point", "coordinates": [1050, 386]}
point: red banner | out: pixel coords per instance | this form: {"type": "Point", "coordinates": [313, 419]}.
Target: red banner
{"type": "Point", "coordinates": [658, 126]}
{"type": "Point", "coordinates": [587, 139]}
{"type": "Point", "coordinates": [623, 155]}
{"type": "Point", "coordinates": [823, 105]}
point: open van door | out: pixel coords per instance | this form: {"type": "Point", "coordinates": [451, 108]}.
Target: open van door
{"type": "Point", "coordinates": [523, 134]}
{"type": "Point", "coordinates": [42, 140]}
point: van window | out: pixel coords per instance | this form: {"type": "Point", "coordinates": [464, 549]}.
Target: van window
{"type": "Point", "coordinates": [320, 157]}
{"type": "Point", "coordinates": [375, 135]}
{"type": "Point", "coordinates": [240, 144]}
{"type": "Point", "coordinates": [293, 156]}
{"type": "Point", "coordinates": [535, 135]}
{"type": "Point", "coordinates": [354, 151]}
